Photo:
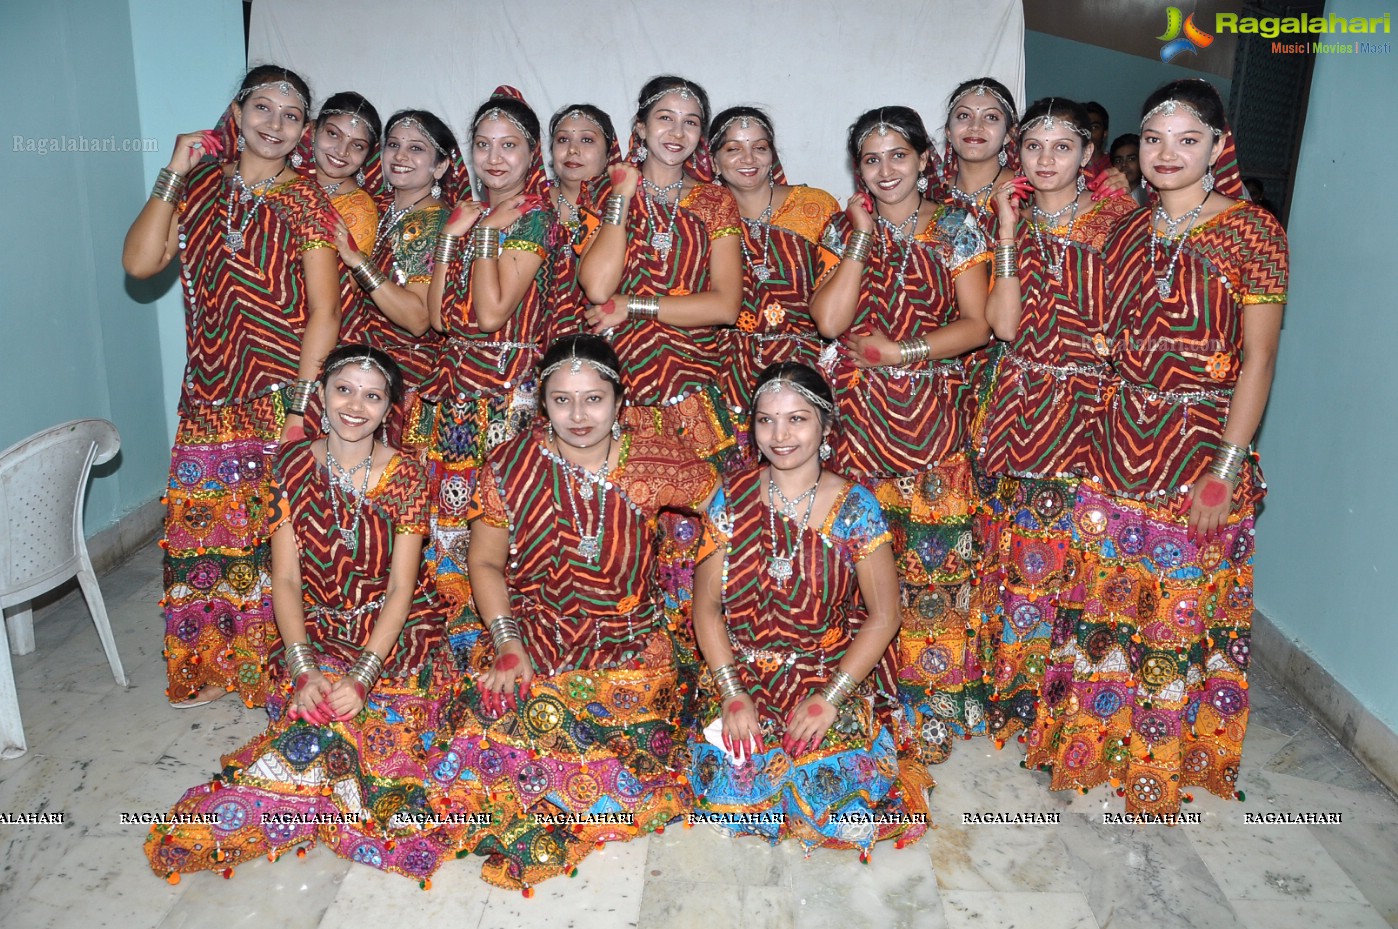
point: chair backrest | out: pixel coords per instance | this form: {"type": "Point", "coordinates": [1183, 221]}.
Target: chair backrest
{"type": "Point", "coordinates": [43, 483]}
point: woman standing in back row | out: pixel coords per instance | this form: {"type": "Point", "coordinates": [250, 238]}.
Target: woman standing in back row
{"type": "Point", "coordinates": [906, 301]}
{"type": "Point", "coordinates": [254, 241]}
{"type": "Point", "coordinates": [1148, 688]}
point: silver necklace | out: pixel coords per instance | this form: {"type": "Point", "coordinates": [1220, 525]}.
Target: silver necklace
{"type": "Point", "coordinates": [590, 543]}
{"type": "Point", "coordinates": [332, 189]}
{"type": "Point", "coordinates": [655, 197]}
{"type": "Point", "coordinates": [903, 234]}
{"type": "Point", "coordinates": [393, 216]}
{"type": "Point", "coordinates": [976, 197]}
{"type": "Point", "coordinates": [1165, 282]}
{"type": "Point", "coordinates": [781, 567]}
{"type": "Point", "coordinates": [343, 480]}
{"type": "Point", "coordinates": [574, 216]}
{"type": "Point", "coordinates": [760, 230]}
{"type": "Point", "coordinates": [254, 193]}
{"type": "Point", "coordinates": [1050, 221]}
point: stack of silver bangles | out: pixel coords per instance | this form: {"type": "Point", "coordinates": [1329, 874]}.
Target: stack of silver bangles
{"type": "Point", "coordinates": [726, 678]}
{"type": "Point", "coordinates": [503, 630]}
{"type": "Point", "coordinates": [839, 688]}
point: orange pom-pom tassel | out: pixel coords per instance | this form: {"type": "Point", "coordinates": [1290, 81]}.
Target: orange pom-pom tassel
{"type": "Point", "coordinates": [173, 877]}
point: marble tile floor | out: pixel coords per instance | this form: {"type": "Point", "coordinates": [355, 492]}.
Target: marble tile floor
{"type": "Point", "coordinates": [97, 750]}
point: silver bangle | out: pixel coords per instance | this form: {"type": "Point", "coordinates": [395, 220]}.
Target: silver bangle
{"type": "Point", "coordinates": [613, 210]}
{"type": "Point", "coordinates": [839, 688]}
{"type": "Point", "coordinates": [300, 659]}
{"type": "Point", "coordinates": [643, 307]}
{"type": "Point", "coordinates": [1228, 462]}
{"type": "Point", "coordinates": [859, 245]}
{"type": "Point", "coordinates": [503, 630]}
{"type": "Point", "coordinates": [726, 679]}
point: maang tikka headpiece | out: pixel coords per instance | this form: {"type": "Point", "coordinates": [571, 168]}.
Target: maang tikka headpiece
{"type": "Point", "coordinates": [1169, 108]}
{"type": "Point", "coordinates": [285, 87]}
{"type": "Point", "coordinates": [777, 384]}
{"type": "Point", "coordinates": [574, 362]}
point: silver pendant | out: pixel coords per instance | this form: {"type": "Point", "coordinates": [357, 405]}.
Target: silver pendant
{"type": "Point", "coordinates": [1056, 272]}
{"type": "Point", "coordinates": [234, 240]}
{"type": "Point", "coordinates": [779, 569]}
{"type": "Point", "coordinates": [348, 536]}
{"type": "Point", "coordinates": [761, 272]}
{"type": "Point", "coordinates": [245, 196]}
{"type": "Point", "coordinates": [590, 546]}
{"type": "Point", "coordinates": [585, 490]}
{"type": "Point", "coordinates": [660, 241]}
{"type": "Point", "coordinates": [1163, 285]}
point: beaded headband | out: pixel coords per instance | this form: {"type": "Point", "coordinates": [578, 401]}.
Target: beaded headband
{"type": "Point", "coordinates": [574, 363]}
{"type": "Point", "coordinates": [778, 384]}
{"type": "Point", "coordinates": [1170, 107]}
{"type": "Point", "coordinates": [356, 120]}
{"type": "Point", "coordinates": [496, 112]}
{"type": "Point", "coordinates": [365, 362]}
{"type": "Point", "coordinates": [285, 87]}
{"type": "Point", "coordinates": [683, 90]}
{"type": "Point", "coordinates": [744, 122]}
{"type": "Point", "coordinates": [1051, 122]}
{"type": "Point", "coordinates": [412, 123]}
{"type": "Point", "coordinates": [982, 89]}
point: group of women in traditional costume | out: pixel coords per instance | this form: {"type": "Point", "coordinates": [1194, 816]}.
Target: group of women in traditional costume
{"type": "Point", "coordinates": [542, 513]}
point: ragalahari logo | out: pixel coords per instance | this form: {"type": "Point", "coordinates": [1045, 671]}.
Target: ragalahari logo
{"type": "Point", "coordinates": [1192, 39]}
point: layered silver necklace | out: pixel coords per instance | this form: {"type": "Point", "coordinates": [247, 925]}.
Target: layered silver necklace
{"type": "Point", "coordinates": [1050, 221]}
{"type": "Point", "coordinates": [585, 484]}
{"type": "Point", "coordinates": [902, 234]}
{"type": "Point", "coordinates": [255, 194]}
{"type": "Point", "coordinates": [352, 497]}
{"type": "Point", "coordinates": [782, 566]}
{"type": "Point", "coordinates": [1165, 281]}
{"type": "Point", "coordinates": [656, 196]}
{"type": "Point", "coordinates": [393, 216]}
{"type": "Point", "coordinates": [574, 216]}
{"type": "Point", "coordinates": [760, 230]}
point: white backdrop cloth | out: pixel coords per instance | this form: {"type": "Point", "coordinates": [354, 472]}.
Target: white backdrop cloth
{"type": "Point", "coordinates": [814, 65]}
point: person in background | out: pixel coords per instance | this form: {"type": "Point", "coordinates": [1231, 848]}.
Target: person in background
{"type": "Point", "coordinates": [1126, 158]}
{"type": "Point", "coordinates": [1100, 123]}
{"type": "Point", "coordinates": [782, 254]}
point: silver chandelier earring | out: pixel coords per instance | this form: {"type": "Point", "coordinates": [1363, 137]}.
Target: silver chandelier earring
{"type": "Point", "coordinates": [642, 153]}
{"type": "Point", "coordinates": [771, 178]}
{"type": "Point", "coordinates": [359, 177]}
{"type": "Point", "coordinates": [1208, 181]}
{"type": "Point", "coordinates": [296, 159]}
{"type": "Point", "coordinates": [436, 190]}
{"type": "Point", "coordinates": [1003, 157]}
{"type": "Point", "coordinates": [616, 430]}
{"type": "Point", "coordinates": [922, 184]}
{"type": "Point", "coordinates": [1082, 182]}
{"type": "Point", "coordinates": [242, 143]}
{"type": "Point", "coordinates": [324, 422]}
{"type": "Point", "coordinates": [826, 451]}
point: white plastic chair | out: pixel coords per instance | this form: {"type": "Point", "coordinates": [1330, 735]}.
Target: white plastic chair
{"type": "Point", "coordinates": [43, 482]}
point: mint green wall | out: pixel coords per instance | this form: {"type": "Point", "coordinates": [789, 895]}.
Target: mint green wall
{"type": "Point", "coordinates": [77, 339]}
{"type": "Point", "coordinates": [1120, 82]}
{"type": "Point", "coordinates": [189, 61]}
{"type": "Point", "coordinates": [74, 343]}
{"type": "Point", "coordinates": [1325, 550]}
